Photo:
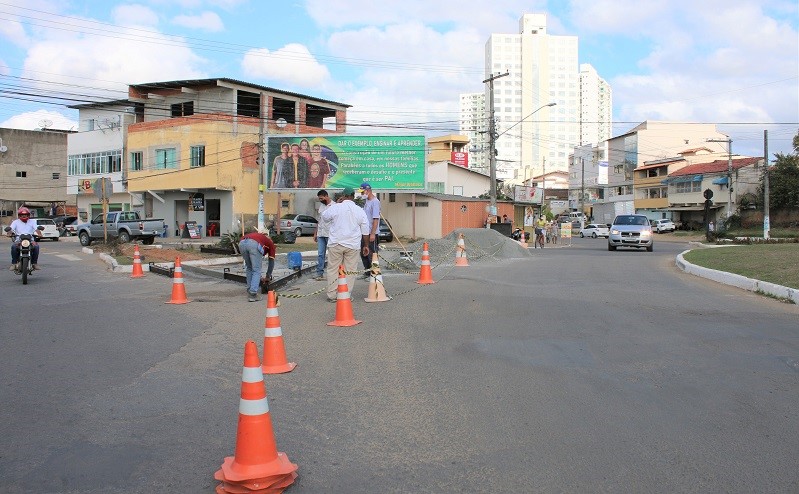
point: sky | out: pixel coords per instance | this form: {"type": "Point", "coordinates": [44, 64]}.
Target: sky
{"type": "Point", "coordinates": [403, 64]}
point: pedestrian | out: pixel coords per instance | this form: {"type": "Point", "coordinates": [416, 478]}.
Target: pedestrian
{"type": "Point", "coordinates": [348, 232]}
{"type": "Point", "coordinates": [505, 218]}
{"type": "Point", "coordinates": [320, 236]}
{"type": "Point", "coordinates": [555, 232]}
{"type": "Point", "coordinates": [372, 209]}
{"type": "Point", "coordinates": [254, 246]}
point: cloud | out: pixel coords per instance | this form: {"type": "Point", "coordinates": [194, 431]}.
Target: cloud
{"type": "Point", "coordinates": [4, 69]}
{"type": "Point", "coordinates": [134, 15]}
{"type": "Point", "coordinates": [13, 31]}
{"type": "Point", "coordinates": [94, 63]}
{"type": "Point", "coordinates": [31, 120]}
{"type": "Point", "coordinates": [292, 64]}
{"type": "Point", "coordinates": [207, 21]}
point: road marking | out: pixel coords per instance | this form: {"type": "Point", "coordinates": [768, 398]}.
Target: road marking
{"type": "Point", "coordinates": [68, 257]}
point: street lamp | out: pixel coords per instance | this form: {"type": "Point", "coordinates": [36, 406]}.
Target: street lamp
{"type": "Point", "coordinates": [493, 158]}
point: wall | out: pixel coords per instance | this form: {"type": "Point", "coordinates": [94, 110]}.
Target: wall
{"type": "Point", "coordinates": [39, 154]}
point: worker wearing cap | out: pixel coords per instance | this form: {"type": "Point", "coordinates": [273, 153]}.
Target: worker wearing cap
{"type": "Point", "coordinates": [372, 209]}
{"type": "Point", "coordinates": [348, 233]}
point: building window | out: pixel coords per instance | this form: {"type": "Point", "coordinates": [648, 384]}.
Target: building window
{"type": "Point", "coordinates": [56, 175]}
{"type": "Point", "coordinates": [136, 161]}
{"type": "Point", "coordinates": [22, 174]}
{"type": "Point", "coordinates": [165, 158]}
{"type": "Point", "coordinates": [436, 187]}
{"type": "Point", "coordinates": [197, 156]}
{"type": "Point", "coordinates": [418, 204]}
{"type": "Point", "coordinates": [392, 197]}
{"type": "Point", "coordinates": [183, 109]}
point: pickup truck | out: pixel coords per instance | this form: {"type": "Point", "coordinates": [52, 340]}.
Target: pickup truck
{"type": "Point", "coordinates": [123, 225]}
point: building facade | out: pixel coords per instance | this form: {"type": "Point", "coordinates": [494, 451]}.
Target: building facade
{"type": "Point", "coordinates": [542, 69]}
{"type": "Point", "coordinates": [474, 125]}
{"type": "Point", "coordinates": [194, 153]}
{"type": "Point", "coordinates": [32, 172]}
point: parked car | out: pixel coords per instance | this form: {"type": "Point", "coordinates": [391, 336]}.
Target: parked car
{"type": "Point", "coordinates": [124, 225]}
{"type": "Point", "coordinates": [595, 230]}
{"type": "Point", "coordinates": [300, 224]}
{"type": "Point", "coordinates": [660, 226]}
{"type": "Point", "coordinates": [631, 230]}
{"type": "Point", "coordinates": [384, 233]}
{"type": "Point", "coordinates": [50, 231]}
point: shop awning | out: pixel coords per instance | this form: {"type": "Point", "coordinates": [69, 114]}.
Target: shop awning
{"type": "Point", "coordinates": [720, 181]}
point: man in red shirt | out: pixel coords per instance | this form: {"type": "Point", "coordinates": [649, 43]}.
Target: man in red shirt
{"type": "Point", "coordinates": [254, 247]}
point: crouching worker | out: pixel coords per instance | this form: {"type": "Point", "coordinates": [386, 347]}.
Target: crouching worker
{"type": "Point", "coordinates": [254, 247]}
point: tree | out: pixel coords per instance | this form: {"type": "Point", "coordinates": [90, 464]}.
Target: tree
{"type": "Point", "coordinates": [784, 179]}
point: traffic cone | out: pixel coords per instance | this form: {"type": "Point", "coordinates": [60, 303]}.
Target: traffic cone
{"type": "Point", "coordinates": [275, 361]}
{"type": "Point", "coordinates": [377, 292]}
{"type": "Point", "coordinates": [426, 272]}
{"type": "Point", "coordinates": [137, 270]}
{"type": "Point", "coordinates": [460, 252]}
{"type": "Point", "coordinates": [256, 464]}
{"type": "Point", "coordinates": [178, 289]}
{"type": "Point", "coordinates": [344, 316]}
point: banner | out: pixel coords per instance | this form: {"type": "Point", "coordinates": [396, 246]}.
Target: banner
{"type": "Point", "coordinates": [527, 194]}
{"type": "Point", "coordinates": [460, 158]}
{"type": "Point", "coordinates": [327, 161]}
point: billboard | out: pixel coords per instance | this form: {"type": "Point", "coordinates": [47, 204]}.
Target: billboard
{"type": "Point", "coordinates": [337, 161]}
{"type": "Point", "coordinates": [527, 194]}
{"type": "Point", "coordinates": [460, 158]}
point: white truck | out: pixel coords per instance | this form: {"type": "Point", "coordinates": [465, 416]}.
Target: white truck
{"type": "Point", "coordinates": [122, 225]}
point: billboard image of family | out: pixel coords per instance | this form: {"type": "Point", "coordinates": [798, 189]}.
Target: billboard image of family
{"type": "Point", "coordinates": [325, 161]}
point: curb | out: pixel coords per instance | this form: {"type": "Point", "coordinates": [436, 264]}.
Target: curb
{"type": "Point", "coordinates": [736, 280]}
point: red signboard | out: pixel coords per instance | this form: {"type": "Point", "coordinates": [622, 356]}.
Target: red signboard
{"type": "Point", "coordinates": [460, 159]}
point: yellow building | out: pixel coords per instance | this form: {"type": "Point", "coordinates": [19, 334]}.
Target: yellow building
{"type": "Point", "coordinates": [194, 151]}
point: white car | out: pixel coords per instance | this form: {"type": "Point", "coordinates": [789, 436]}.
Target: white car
{"type": "Point", "coordinates": [595, 230]}
{"type": "Point", "coordinates": [664, 225]}
{"type": "Point", "coordinates": [50, 230]}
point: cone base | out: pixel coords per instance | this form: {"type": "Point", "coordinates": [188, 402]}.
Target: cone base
{"type": "Point", "coordinates": [382, 299]}
{"type": "Point", "coordinates": [233, 473]}
{"type": "Point", "coordinates": [178, 302]}
{"type": "Point", "coordinates": [278, 369]}
{"type": "Point", "coordinates": [426, 282]}
{"type": "Point", "coordinates": [344, 324]}
{"type": "Point", "coordinates": [137, 275]}
{"type": "Point", "coordinates": [458, 262]}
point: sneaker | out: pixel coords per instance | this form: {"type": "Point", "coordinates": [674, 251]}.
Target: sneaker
{"type": "Point", "coordinates": [331, 300]}
{"type": "Point", "coordinates": [35, 267]}
{"type": "Point", "coordinates": [253, 297]}
{"type": "Point", "coordinates": [13, 267]}
{"type": "Point", "coordinates": [367, 274]}
{"type": "Point", "coordinates": [319, 278]}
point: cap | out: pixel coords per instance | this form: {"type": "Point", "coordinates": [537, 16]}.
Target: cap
{"type": "Point", "coordinates": [348, 191]}
{"type": "Point", "coordinates": [366, 185]}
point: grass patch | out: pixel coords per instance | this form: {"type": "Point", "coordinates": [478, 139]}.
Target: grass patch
{"type": "Point", "coordinates": [775, 263]}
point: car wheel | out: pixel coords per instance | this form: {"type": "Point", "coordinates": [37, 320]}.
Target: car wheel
{"type": "Point", "coordinates": [124, 237]}
{"type": "Point", "coordinates": [650, 248]}
{"type": "Point", "coordinates": [581, 235]}
{"type": "Point", "coordinates": [298, 232]}
{"type": "Point", "coordinates": [55, 239]}
{"type": "Point", "coordinates": [611, 247]}
{"type": "Point", "coordinates": [85, 239]}
{"type": "Point", "coordinates": [593, 235]}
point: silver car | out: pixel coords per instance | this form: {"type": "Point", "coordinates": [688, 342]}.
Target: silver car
{"type": "Point", "coordinates": [631, 230]}
{"type": "Point", "coordinates": [300, 224]}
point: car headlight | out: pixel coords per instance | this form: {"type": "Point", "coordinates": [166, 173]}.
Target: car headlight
{"type": "Point", "coordinates": [646, 233]}
{"type": "Point", "coordinates": [615, 232]}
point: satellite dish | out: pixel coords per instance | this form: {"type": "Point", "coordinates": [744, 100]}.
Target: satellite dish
{"type": "Point", "coordinates": [45, 123]}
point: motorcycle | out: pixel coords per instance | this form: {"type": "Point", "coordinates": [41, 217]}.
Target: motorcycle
{"type": "Point", "coordinates": [517, 235]}
{"type": "Point", "coordinates": [25, 245]}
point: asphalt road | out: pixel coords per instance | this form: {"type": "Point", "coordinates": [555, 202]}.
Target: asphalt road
{"type": "Point", "coordinates": [574, 370]}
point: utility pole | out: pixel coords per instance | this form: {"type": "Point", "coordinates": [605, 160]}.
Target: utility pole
{"type": "Point", "coordinates": [766, 219]}
{"type": "Point", "coordinates": [261, 165]}
{"type": "Point", "coordinates": [729, 172]}
{"type": "Point", "coordinates": [492, 136]}
{"type": "Point", "coordinates": [582, 190]}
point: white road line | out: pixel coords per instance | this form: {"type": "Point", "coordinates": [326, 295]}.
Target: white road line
{"type": "Point", "coordinates": [68, 257]}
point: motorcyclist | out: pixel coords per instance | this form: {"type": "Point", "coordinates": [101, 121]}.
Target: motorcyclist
{"type": "Point", "coordinates": [20, 226]}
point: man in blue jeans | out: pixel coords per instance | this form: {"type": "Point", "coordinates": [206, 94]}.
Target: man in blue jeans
{"type": "Point", "coordinates": [321, 234]}
{"type": "Point", "coordinates": [254, 247]}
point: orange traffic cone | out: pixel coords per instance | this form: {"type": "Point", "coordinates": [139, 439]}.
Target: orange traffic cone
{"type": "Point", "coordinates": [178, 289]}
{"type": "Point", "coordinates": [460, 252]}
{"type": "Point", "coordinates": [344, 316]}
{"type": "Point", "coordinates": [137, 270]}
{"type": "Point", "coordinates": [256, 464]}
{"type": "Point", "coordinates": [275, 361]}
{"type": "Point", "coordinates": [377, 292]}
{"type": "Point", "coordinates": [426, 272]}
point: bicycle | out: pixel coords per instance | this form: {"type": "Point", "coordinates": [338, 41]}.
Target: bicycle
{"type": "Point", "coordinates": [539, 238]}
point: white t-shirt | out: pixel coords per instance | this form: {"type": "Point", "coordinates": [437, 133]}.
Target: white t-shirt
{"type": "Point", "coordinates": [347, 223]}
{"type": "Point", "coordinates": [20, 227]}
{"type": "Point", "coordinates": [323, 230]}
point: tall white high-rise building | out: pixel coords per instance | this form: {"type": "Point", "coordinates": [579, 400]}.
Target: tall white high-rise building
{"type": "Point", "coordinates": [474, 125]}
{"type": "Point", "coordinates": [542, 69]}
{"type": "Point", "coordinates": [596, 107]}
